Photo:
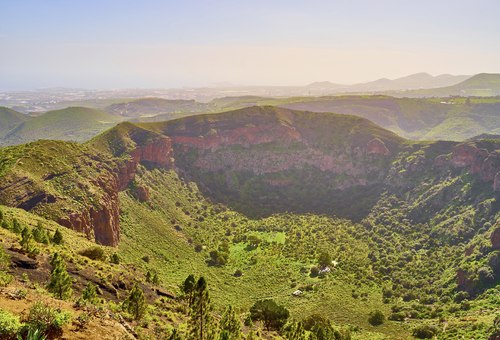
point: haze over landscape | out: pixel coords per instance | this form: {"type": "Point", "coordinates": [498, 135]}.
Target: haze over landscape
{"type": "Point", "coordinates": [264, 170]}
{"type": "Point", "coordinates": [121, 44]}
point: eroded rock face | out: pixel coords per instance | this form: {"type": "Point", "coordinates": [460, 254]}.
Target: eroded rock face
{"type": "Point", "coordinates": [377, 146]}
{"type": "Point", "coordinates": [159, 151]}
{"type": "Point", "coordinates": [244, 136]}
{"type": "Point", "coordinates": [463, 283]}
{"type": "Point", "coordinates": [486, 165]}
{"type": "Point", "coordinates": [495, 238]}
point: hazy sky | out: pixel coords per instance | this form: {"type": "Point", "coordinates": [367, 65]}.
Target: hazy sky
{"type": "Point", "coordinates": [118, 44]}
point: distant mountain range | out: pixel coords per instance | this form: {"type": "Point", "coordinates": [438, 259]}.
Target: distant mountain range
{"type": "Point", "coordinates": [411, 82]}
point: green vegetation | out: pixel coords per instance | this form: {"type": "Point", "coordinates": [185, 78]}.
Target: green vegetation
{"type": "Point", "coordinates": [71, 124]}
{"type": "Point", "coordinates": [60, 281]}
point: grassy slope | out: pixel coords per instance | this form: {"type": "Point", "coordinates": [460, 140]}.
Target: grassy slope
{"type": "Point", "coordinates": [72, 124]}
{"type": "Point", "coordinates": [153, 106]}
{"type": "Point", "coordinates": [182, 219]}
{"type": "Point", "coordinates": [64, 170]}
{"type": "Point", "coordinates": [483, 84]}
{"type": "Point", "coordinates": [10, 119]}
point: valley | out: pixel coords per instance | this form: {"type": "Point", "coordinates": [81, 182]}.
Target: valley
{"type": "Point", "coordinates": [251, 199]}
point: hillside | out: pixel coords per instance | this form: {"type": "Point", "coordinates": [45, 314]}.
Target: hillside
{"type": "Point", "coordinates": [153, 106]}
{"type": "Point", "coordinates": [483, 84]}
{"type": "Point", "coordinates": [71, 124]}
{"type": "Point", "coordinates": [419, 119]}
{"type": "Point", "coordinates": [251, 199]}
{"type": "Point", "coordinates": [10, 119]}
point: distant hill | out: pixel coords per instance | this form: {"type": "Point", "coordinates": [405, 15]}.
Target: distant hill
{"type": "Point", "coordinates": [153, 106]}
{"type": "Point", "coordinates": [411, 82]}
{"type": "Point", "coordinates": [483, 84]}
{"type": "Point", "coordinates": [415, 118]}
{"type": "Point", "coordinates": [71, 124]}
{"type": "Point", "coordinates": [484, 136]}
{"type": "Point", "coordinates": [324, 84]}
{"type": "Point", "coordinates": [10, 119]}
{"type": "Point", "coordinates": [414, 81]}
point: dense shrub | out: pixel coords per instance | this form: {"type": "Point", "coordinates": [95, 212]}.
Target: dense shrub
{"type": "Point", "coordinates": [94, 253]}
{"type": "Point", "coordinates": [376, 317]}
{"type": "Point", "coordinates": [424, 331]}
{"type": "Point", "coordinates": [46, 318]}
{"type": "Point", "coordinates": [397, 316]}
{"type": "Point", "coordinates": [9, 324]}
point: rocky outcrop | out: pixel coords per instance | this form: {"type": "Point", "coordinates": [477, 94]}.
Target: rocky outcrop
{"type": "Point", "coordinates": [142, 193]}
{"type": "Point", "coordinates": [465, 155]}
{"type": "Point", "coordinates": [495, 238]}
{"type": "Point", "coordinates": [481, 162]}
{"type": "Point", "coordinates": [159, 151]}
{"type": "Point", "coordinates": [464, 284]}
{"type": "Point", "coordinates": [377, 146]}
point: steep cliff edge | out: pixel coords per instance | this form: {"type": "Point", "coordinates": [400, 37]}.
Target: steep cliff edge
{"type": "Point", "coordinates": [65, 182]}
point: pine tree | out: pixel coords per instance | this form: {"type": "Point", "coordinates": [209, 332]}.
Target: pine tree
{"type": "Point", "coordinates": [27, 242]}
{"type": "Point", "coordinates": [39, 233]}
{"type": "Point", "coordinates": [55, 261]}
{"type": "Point", "coordinates": [60, 281]}
{"type": "Point", "coordinates": [16, 226]}
{"type": "Point", "coordinates": [156, 280]}
{"type": "Point", "coordinates": [188, 288]}
{"type": "Point", "coordinates": [248, 321]}
{"type": "Point", "coordinates": [231, 323]}
{"type": "Point", "coordinates": [6, 225]}
{"type": "Point", "coordinates": [224, 335]}
{"type": "Point", "coordinates": [115, 258]}
{"type": "Point", "coordinates": [136, 304]}
{"type": "Point", "coordinates": [58, 238]}
{"type": "Point", "coordinates": [5, 277]}
{"type": "Point", "coordinates": [1, 215]}
{"type": "Point", "coordinates": [148, 276]}
{"type": "Point", "coordinates": [201, 325]}
{"type": "Point", "coordinates": [297, 332]}
{"type": "Point", "coordinates": [46, 237]}
{"type": "Point", "coordinates": [89, 293]}
{"type": "Point", "coordinates": [174, 336]}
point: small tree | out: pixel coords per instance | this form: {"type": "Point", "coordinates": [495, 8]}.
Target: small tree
{"type": "Point", "coordinates": [315, 319]}
{"type": "Point", "coordinates": [136, 304]}
{"type": "Point", "coordinates": [60, 281]}
{"type": "Point", "coordinates": [6, 225]}
{"type": "Point", "coordinates": [248, 321]}
{"type": "Point", "coordinates": [58, 237]}
{"type": "Point", "coordinates": [253, 240]}
{"type": "Point", "coordinates": [376, 318]}
{"type": "Point", "coordinates": [90, 294]}
{"type": "Point", "coordinates": [1, 215]}
{"type": "Point", "coordinates": [39, 232]}
{"type": "Point", "coordinates": [148, 276]}
{"type": "Point", "coordinates": [5, 277]}
{"type": "Point", "coordinates": [188, 287]}
{"type": "Point", "coordinates": [16, 226]}
{"type": "Point", "coordinates": [115, 258]}
{"type": "Point", "coordinates": [324, 259]}
{"type": "Point", "coordinates": [314, 271]}
{"type": "Point", "coordinates": [231, 324]}
{"type": "Point", "coordinates": [201, 325]}
{"type": "Point", "coordinates": [271, 314]}
{"type": "Point", "coordinates": [296, 332]}
{"type": "Point", "coordinates": [174, 336]}
{"type": "Point", "coordinates": [27, 242]}
{"type": "Point", "coordinates": [156, 280]}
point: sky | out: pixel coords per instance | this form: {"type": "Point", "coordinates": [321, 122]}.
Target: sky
{"type": "Point", "coordinates": [170, 44]}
